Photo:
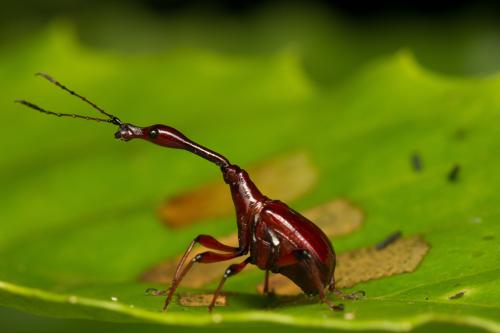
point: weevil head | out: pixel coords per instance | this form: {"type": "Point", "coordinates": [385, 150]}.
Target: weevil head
{"type": "Point", "coordinates": [128, 132]}
{"type": "Point", "coordinates": [158, 134]}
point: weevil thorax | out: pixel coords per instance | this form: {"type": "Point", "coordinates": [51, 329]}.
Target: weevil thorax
{"type": "Point", "coordinates": [242, 187]}
{"type": "Point", "coordinates": [248, 200]}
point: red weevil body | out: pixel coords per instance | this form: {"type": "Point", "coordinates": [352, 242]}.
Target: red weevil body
{"type": "Point", "coordinates": [271, 235]}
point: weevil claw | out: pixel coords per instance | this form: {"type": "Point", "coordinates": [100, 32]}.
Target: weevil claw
{"type": "Point", "coordinates": [155, 292]}
{"type": "Point", "coordinates": [338, 308]}
{"type": "Point", "coordinates": [165, 307]}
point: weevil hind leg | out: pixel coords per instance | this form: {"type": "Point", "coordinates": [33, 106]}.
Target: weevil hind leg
{"type": "Point", "coordinates": [323, 298]}
{"type": "Point", "coordinates": [333, 307]}
{"type": "Point", "coordinates": [331, 285]}
{"type": "Point", "coordinates": [355, 295]}
{"type": "Point", "coordinates": [301, 255]}
{"type": "Point", "coordinates": [322, 295]}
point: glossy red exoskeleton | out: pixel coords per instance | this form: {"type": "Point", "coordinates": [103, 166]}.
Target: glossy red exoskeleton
{"type": "Point", "coordinates": [273, 236]}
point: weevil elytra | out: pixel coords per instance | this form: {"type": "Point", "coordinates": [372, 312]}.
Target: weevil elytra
{"type": "Point", "coordinates": [271, 235]}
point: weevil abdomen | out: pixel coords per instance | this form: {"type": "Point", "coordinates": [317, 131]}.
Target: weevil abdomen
{"type": "Point", "coordinates": [281, 232]}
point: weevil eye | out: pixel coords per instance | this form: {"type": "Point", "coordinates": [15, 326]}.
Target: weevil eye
{"type": "Point", "coordinates": [153, 133]}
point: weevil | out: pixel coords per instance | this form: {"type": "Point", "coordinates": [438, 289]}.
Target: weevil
{"type": "Point", "coordinates": [271, 235]}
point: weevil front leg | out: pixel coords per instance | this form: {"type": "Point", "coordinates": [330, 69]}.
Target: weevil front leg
{"type": "Point", "coordinates": [205, 257]}
{"type": "Point", "coordinates": [210, 243]}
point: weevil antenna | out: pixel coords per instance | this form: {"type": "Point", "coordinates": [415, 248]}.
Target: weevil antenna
{"type": "Point", "coordinates": [114, 120]}
{"type": "Point", "coordinates": [49, 78]}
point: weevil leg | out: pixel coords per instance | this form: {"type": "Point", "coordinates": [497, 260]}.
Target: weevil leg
{"type": "Point", "coordinates": [331, 286]}
{"type": "Point", "coordinates": [230, 271]}
{"type": "Point", "coordinates": [301, 255]}
{"type": "Point", "coordinates": [272, 238]}
{"type": "Point", "coordinates": [266, 284]}
{"type": "Point", "coordinates": [334, 307]}
{"type": "Point", "coordinates": [208, 242]}
{"type": "Point", "coordinates": [319, 285]}
{"type": "Point", "coordinates": [205, 258]}
{"type": "Point", "coordinates": [339, 293]}
{"type": "Point", "coordinates": [155, 292]}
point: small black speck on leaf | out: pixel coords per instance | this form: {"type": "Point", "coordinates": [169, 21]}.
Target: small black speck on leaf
{"type": "Point", "coordinates": [416, 162]}
{"type": "Point", "coordinates": [388, 240]}
{"type": "Point", "coordinates": [457, 295]}
{"type": "Point", "coordinates": [454, 173]}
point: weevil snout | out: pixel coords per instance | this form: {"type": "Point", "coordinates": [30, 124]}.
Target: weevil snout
{"type": "Point", "coordinates": [128, 132]}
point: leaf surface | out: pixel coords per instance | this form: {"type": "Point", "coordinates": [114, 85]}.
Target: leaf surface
{"type": "Point", "coordinates": [77, 207]}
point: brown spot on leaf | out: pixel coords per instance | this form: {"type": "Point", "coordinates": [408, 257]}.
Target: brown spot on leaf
{"type": "Point", "coordinates": [365, 264]}
{"type": "Point", "coordinates": [287, 177]}
{"type": "Point", "coordinates": [201, 300]}
{"type": "Point", "coordinates": [335, 218]}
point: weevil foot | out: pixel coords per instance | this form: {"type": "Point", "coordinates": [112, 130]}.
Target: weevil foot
{"type": "Point", "coordinates": [270, 293]}
{"type": "Point", "coordinates": [337, 307]}
{"type": "Point", "coordinates": [334, 307]}
{"type": "Point", "coordinates": [155, 292]}
{"type": "Point", "coordinates": [353, 296]}
{"type": "Point", "coordinates": [166, 304]}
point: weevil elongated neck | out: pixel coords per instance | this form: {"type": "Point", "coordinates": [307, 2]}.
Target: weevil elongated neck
{"type": "Point", "coordinates": [169, 137]}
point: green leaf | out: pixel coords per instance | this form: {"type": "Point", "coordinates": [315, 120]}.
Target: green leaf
{"type": "Point", "coordinates": [77, 207]}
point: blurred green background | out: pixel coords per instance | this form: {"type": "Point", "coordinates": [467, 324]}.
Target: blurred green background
{"type": "Point", "coordinates": [333, 37]}
{"type": "Point", "coordinates": [331, 41]}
